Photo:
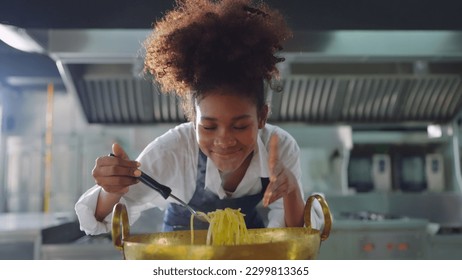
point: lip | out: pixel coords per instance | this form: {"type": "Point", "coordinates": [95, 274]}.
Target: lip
{"type": "Point", "coordinates": [225, 154]}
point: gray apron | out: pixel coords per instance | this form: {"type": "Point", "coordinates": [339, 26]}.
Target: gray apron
{"type": "Point", "coordinates": [178, 217]}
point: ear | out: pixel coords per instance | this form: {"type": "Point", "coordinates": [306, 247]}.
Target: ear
{"type": "Point", "coordinates": [263, 116]}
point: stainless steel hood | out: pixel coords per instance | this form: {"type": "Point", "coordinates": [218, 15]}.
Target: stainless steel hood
{"type": "Point", "coordinates": [356, 77]}
{"type": "Point", "coordinates": [380, 99]}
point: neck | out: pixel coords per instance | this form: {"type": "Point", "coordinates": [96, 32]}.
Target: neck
{"type": "Point", "coordinates": [230, 180]}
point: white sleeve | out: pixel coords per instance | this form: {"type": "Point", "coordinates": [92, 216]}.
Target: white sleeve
{"type": "Point", "coordinates": [276, 214]}
{"type": "Point", "coordinates": [85, 210]}
{"type": "Point", "coordinates": [86, 206]}
{"type": "Point", "coordinates": [317, 216]}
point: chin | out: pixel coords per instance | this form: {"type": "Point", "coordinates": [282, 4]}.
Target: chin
{"type": "Point", "coordinates": [228, 163]}
{"type": "Point", "coordinates": [226, 166]}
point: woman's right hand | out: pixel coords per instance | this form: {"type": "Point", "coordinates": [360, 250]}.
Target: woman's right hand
{"type": "Point", "coordinates": [116, 173]}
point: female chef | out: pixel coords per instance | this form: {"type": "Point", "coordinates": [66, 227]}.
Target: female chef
{"type": "Point", "coordinates": [217, 57]}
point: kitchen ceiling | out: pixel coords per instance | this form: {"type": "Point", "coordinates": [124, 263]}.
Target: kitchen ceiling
{"type": "Point", "coordinates": [349, 62]}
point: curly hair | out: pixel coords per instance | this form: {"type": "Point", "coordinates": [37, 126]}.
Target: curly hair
{"type": "Point", "coordinates": [204, 44]}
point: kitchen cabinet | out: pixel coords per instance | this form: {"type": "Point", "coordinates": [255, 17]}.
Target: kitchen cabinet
{"type": "Point", "coordinates": [376, 240]}
{"type": "Point", "coordinates": [444, 247]}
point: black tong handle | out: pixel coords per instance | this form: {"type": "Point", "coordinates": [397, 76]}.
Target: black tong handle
{"type": "Point", "coordinates": [153, 184]}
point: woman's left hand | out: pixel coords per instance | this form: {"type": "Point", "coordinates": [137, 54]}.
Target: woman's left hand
{"type": "Point", "coordinates": [282, 180]}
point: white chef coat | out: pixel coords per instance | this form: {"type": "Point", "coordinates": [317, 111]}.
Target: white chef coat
{"type": "Point", "coordinates": [171, 159]}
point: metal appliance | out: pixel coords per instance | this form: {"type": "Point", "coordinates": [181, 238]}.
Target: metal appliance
{"type": "Point", "coordinates": [397, 167]}
{"type": "Point", "coordinates": [434, 172]}
{"type": "Point", "coordinates": [360, 173]}
{"type": "Point", "coordinates": [411, 172]}
{"type": "Point", "coordinates": [367, 235]}
{"type": "Point", "coordinates": [381, 172]}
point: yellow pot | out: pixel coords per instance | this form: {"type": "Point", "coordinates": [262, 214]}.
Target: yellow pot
{"type": "Point", "coordinates": [291, 243]}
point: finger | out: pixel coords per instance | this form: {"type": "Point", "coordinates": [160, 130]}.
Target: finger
{"type": "Point", "coordinates": [273, 193]}
{"type": "Point", "coordinates": [116, 170]}
{"type": "Point", "coordinates": [116, 182]}
{"type": "Point", "coordinates": [266, 200]}
{"type": "Point", "coordinates": [277, 194]}
{"type": "Point", "coordinates": [274, 198]}
{"type": "Point", "coordinates": [119, 152]}
{"type": "Point", "coordinates": [116, 189]}
{"type": "Point", "coordinates": [112, 160]}
{"type": "Point", "coordinates": [273, 155]}
{"type": "Point", "coordinates": [270, 198]}
{"type": "Point", "coordinates": [278, 172]}
{"type": "Point", "coordinates": [268, 194]}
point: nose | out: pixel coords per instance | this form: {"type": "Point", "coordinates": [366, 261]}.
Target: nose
{"type": "Point", "coordinates": [225, 139]}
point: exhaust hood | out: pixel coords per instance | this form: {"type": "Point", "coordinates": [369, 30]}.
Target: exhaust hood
{"type": "Point", "coordinates": [359, 99]}
{"type": "Point", "coordinates": [329, 77]}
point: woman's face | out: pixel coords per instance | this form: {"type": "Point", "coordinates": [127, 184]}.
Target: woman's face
{"type": "Point", "coordinates": [227, 127]}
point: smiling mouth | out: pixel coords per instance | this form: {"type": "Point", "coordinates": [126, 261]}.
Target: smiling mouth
{"type": "Point", "coordinates": [226, 154]}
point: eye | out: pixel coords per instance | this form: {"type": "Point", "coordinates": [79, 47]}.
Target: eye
{"type": "Point", "coordinates": [208, 127]}
{"type": "Point", "coordinates": [241, 127]}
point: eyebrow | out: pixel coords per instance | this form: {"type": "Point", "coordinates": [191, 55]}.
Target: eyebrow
{"type": "Point", "coordinates": [245, 116]}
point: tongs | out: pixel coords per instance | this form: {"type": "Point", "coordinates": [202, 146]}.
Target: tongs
{"type": "Point", "coordinates": [166, 192]}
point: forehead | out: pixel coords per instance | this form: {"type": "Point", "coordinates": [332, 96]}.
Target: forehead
{"type": "Point", "coordinates": [220, 105]}
{"type": "Point", "coordinates": [241, 90]}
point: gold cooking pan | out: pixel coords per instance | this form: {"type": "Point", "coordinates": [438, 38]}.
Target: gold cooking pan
{"type": "Point", "coordinates": [291, 243]}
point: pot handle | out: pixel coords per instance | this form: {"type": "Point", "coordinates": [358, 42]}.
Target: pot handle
{"type": "Point", "coordinates": [325, 210]}
{"type": "Point", "coordinates": [120, 226]}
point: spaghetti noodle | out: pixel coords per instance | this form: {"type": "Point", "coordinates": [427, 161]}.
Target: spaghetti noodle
{"type": "Point", "coordinates": [227, 227]}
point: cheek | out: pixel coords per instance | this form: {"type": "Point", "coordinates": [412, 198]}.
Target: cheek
{"type": "Point", "coordinates": [203, 139]}
{"type": "Point", "coordinates": [248, 139]}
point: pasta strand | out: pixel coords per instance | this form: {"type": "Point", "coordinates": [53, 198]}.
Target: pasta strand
{"type": "Point", "coordinates": [227, 227]}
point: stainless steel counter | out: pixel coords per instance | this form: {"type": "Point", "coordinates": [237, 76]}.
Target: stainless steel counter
{"type": "Point", "coordinates": [77, 251]}
{"type": "Point", "coordinates": [443, 208]}
{"type": "Point", "coordinates": [32, 221]}
{"type": "Point", "coordinates": [21, 233]}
